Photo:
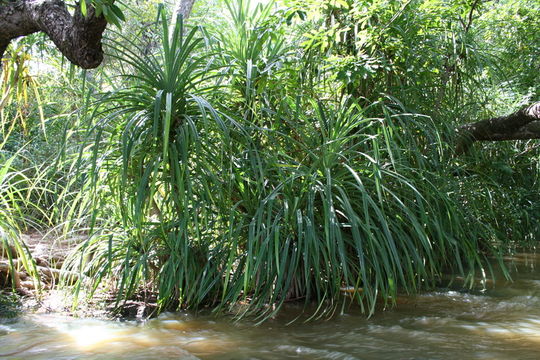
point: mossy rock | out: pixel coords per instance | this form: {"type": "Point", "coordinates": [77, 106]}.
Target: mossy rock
{"type": "Point", "coordinates": [10, 305]}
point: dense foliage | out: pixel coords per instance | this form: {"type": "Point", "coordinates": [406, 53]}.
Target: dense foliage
{"type": "Point", "coordinates": [291, 151]}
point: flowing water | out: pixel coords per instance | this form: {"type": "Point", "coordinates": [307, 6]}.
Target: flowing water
{"type": "Point", "coordinates": [499, 323]}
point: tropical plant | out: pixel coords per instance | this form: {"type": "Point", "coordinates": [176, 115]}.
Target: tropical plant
{"type": "Point", "coordinates": [158, 152]}
{"type": "Point", "coordinates": [253, 52]}
{"type": "Point", "coordinates": [208, 208]}
{"type": "Point", "coordinates": [16, 89]}
{"type": "Point", "coordinates": [282, 155]}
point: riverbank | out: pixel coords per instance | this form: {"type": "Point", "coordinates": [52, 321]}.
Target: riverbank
{"type": "Point", "coordinates": [47, 288]}
{"type": "Point", "coordinates": [48, 252]}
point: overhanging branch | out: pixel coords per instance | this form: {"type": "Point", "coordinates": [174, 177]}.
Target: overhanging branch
{"type": "Point", "coordinates": [523, 124]}
{"type": "Point", "coordinates": [78, 37]}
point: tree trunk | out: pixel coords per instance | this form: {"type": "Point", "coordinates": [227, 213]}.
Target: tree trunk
{"type": "Point", "coordinates": [183, 7]}
{"type": "Point", "coordinates": [524, 124]}
{"type": "Point", "coordinates": [78, 37]}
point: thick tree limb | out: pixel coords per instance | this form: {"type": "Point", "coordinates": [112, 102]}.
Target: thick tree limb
{"type": "Point", "coordinates": [78, 37]}
{"type": "Point", "coordinates": [524, 124]}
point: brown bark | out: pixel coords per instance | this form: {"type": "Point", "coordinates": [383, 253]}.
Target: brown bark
{"type": "Point", "coordinates": [523, 124]}
{"type": "Point", "coordinates": [78, 37]}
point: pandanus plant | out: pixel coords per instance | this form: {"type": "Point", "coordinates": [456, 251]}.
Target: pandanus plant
{"type": "Point", "coordinates": [206, 208]}
{"type": "Point", "coordinates": [157, 158]}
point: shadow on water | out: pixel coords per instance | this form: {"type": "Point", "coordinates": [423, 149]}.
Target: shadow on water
{"type": "Point", "coordinates": [501, 322]}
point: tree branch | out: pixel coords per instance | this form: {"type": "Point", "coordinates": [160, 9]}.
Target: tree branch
{"type": "Point", "coordinates": [523, 124]}
{"type": "Point", "coordinates": [78, 37]}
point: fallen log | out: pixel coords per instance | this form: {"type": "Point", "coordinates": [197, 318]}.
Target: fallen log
{"type": "Point", "coordinates": [54, 275]}
{"type": "Point", "coordinates": [48, 277]}
{"type": "Point", "coordinates": [6, 269]}
{"type": "Point", "coordinates": [523, 124]}
{"type": "Point", "coordinates": [28, 285]}
{"type": "Point", "coordinates": [7, 250]}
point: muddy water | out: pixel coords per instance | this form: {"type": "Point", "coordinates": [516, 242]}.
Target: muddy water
{"type": "Point", "coordinates": [499, 323]}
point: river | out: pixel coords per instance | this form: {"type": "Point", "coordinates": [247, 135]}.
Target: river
{"type": "Point", "coordinates": [502, 322]}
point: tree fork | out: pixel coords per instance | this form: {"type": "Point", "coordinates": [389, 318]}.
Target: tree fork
{"type": "Point", "coordinates": [523, 124]}
{"type": "Point", "coordinates": [78, 37]}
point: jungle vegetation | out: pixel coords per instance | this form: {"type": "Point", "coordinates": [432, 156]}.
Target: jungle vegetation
{"type": "Point", "coordinates": [264, 152]}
